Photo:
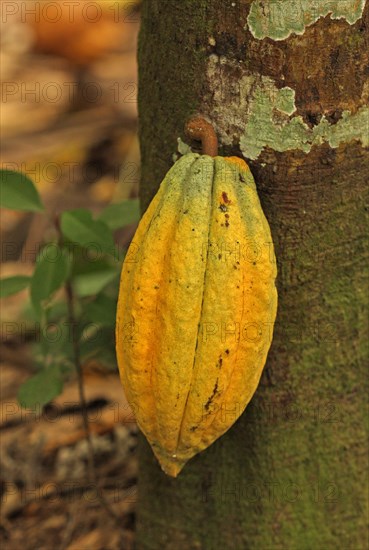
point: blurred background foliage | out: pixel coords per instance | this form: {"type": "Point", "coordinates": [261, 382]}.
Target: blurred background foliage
{"type": "Point", "coordinates": [69, 186]}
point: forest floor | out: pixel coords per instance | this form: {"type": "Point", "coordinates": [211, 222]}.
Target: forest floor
{"type": "Point", "coordinates": [81, 151]}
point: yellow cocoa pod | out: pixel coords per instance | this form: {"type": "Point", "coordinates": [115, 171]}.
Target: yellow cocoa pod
{"type": "Point", "coordinates": [196, 308]}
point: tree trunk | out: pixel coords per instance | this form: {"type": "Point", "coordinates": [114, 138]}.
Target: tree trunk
{"type": "Point", "coordinates": [288, 90]}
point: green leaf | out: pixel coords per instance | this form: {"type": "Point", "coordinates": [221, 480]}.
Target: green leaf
{"type": "Point", "coordinates": [18, 192]}
{"type": "Point", "coordinates": [58, 312]}
{"type": "Point", "coordinates": [54, 340]}
{"type": "Point", "coordinates": [88, 284]}
{"type": "Point", "coordinates": [121, 214]}
{"type": "Point", "coordinates": [41, 388]}
{"type": "Point", "coordinates": [102, 311]}
{"type": "Point", "coordinates": [99, 344]}
{"type": "Point", "coordinates": [78, 226]}
{"type": "Point", "coordinates": [52, 270]}
{"type": "Point", "coordinates": [12, 285]}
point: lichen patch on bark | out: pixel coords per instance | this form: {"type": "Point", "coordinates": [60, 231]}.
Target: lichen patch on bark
{"type": "Point", "coordinates": [269, 19]}
{"type": "Point", "coordinates": [254, 112]}
{"type": "Point", "coordinates": [268, 122]}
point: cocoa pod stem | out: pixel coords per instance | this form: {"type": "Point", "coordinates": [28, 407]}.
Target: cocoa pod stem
{"type": "Point", "coordinates": [201, 130]}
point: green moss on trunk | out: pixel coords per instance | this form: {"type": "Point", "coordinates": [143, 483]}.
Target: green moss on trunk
{"type": "Point", "coordinates": [172, 55]}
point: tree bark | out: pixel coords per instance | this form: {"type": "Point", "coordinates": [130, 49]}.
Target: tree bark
{"type": "Point", "coordinates": [291, 473]}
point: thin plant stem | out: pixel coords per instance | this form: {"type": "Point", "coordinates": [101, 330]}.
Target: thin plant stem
{"type": "Point", "coordinates": [91, 466]}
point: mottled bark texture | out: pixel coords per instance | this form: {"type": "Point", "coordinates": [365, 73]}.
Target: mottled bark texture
{"type": "Point", "coordinates": [292, 472]}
